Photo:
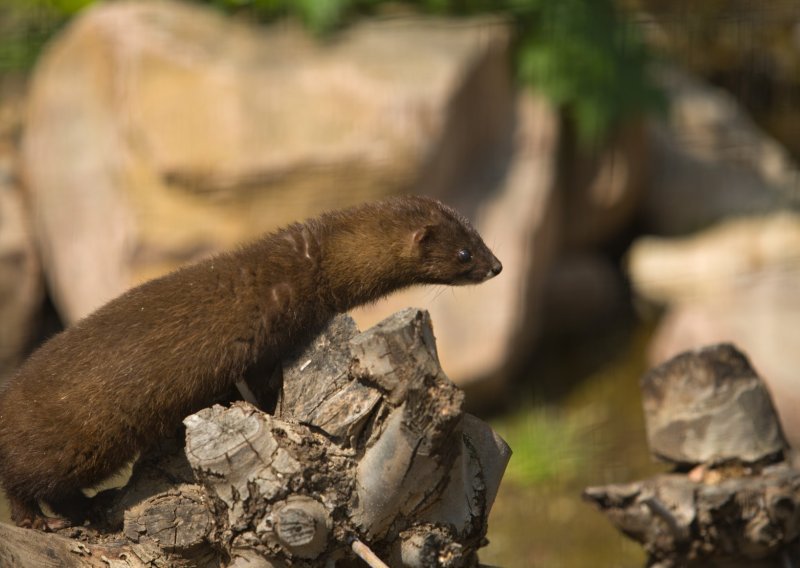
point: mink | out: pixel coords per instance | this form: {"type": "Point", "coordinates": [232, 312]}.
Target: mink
{"type": "Point", "coordinates": [94, 395]}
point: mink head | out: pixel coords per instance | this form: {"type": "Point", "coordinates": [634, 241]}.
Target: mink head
{"type": "Point", "coordinates": [376, 248]}
{"type": "Point", "coordinates": [449, 250]}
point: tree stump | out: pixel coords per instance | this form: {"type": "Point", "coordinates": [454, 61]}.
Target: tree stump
{"type": "Point", "coordinates": [732, 501]}
{"type": "Point", "coordinates": [368, 449]}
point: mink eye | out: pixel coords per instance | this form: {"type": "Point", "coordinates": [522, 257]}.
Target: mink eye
{"type": "Point", "coordinates": [464, 255]}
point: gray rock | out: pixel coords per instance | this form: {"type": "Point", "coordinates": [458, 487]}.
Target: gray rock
{"type": "Point", "coordinates": [736, 282]}
{"type": "Point", "coordinates": [710, 161]}
{"type": "Point", "coordinates": [762, 319]}
{"type": "Point", "coordinates": [710, 406]}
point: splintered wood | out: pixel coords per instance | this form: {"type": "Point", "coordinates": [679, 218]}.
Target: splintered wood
{"type": "Point", "coordinates": [368, 444]}
{"type": "Point", "coordinates": [370, 432]}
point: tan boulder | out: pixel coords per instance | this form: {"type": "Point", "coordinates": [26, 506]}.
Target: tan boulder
{"type": "Point", "coordinates": [721, 260]}
{"type": "Point", "coordinates": [482, 329]}
{"type": "Point", "coordinates": [161, 132]}
{"type": "Point", "coordinates": [21, 282]}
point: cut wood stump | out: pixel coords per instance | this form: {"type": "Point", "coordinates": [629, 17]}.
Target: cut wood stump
{"type": "Point", "coordinates": [368, 448]}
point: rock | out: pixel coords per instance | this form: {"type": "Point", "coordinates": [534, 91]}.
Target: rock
{"type": "Point", "coordinates": [709, 161]}
{"type": "Point", "coordinates": [21, 282]}
{"type": "Point", "coordinates": [710, 406]}
{"type": "Point", "coordinates": [724, 259]}
{"type": "Point", "coordinates": [582, 292]}
{"type": "Point", "coordinates": [487, 330]}
{"type": "Point", "coordinates": [761, 318]}
{"type": "Point", "coordinates": [180, 133]}
{"type": "Point", "coordinates": [755, 61]}
{"type": "Point", "coordinates": [603, 186]}
{"type": "Point", "coordinates": [734, 282]}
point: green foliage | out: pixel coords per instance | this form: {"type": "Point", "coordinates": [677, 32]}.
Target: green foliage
{"type": "Point", "coordinates": [26, 25]}
{"type": "Point", "coordinates": [579, 53]}
{"type": "Point", "coordinates": [586, 59]}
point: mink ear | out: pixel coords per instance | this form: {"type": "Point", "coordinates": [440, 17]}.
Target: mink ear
{"type": "Point", "coordinates": [421, 235]}
{"type": "Point", "coordinates": [418, 238]}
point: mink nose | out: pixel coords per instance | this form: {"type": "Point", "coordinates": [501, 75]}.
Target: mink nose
{"type": "Point", "coordinates": [497, 268]}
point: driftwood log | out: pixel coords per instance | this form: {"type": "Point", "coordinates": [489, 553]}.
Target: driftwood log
{"type": "Point", "coordinates": [747, 520]}
{"type": "Point", "coordinates": [368, 453]}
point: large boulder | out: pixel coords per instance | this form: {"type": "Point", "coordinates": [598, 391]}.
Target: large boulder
{"type": "Point", "coordinates": [710, 161]}
{"type": "Point", "coordinates": [724, 259]}
{"type": "Point", "coordinates": [161, 132]}
{"type": "Point", "coordinates": [21, 283]}
{"type": "Point", "coordinates": [484, 328]}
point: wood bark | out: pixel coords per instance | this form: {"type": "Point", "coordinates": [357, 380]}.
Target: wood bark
{"type": "Point", "coordinates": [368, 444]}
{"type": "Point", "coordinates": [739, 504]}
{"type": "Point", "coordinates": [732, 520]}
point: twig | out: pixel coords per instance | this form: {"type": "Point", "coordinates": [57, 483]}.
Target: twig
{"type": "Point", "coordinates": [365, 554]}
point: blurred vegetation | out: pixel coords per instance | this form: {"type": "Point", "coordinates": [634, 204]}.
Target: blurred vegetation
{"type": "Point", "coordinates": [582, 54]}
{"type": "Point", "coordinates": [549, 444]}
{"type": "Point", "coordinates": [26, 25]}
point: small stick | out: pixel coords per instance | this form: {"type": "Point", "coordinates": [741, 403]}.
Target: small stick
{"type": "Point", "coordinates": [365, 554]}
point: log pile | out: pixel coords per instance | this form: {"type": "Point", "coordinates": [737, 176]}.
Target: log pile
{"type": "Point", "coordinates": [368, 453]}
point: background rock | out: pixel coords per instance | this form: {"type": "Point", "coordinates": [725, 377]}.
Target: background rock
{"type": "Point", "coordinates": [493, 326]}
{"type": "Point", "coordinates": [179, 133]}
{"type": "Point", "coordinates": [21, 284]}
{"type": "Point", "coordinates": [190, 132]}
{"type": "Point", "coordinates": [735, 282]}
{"type": "Point", "coordinates": [724, 259]}
{"type": "Point", "coordinates": [603, 186]}
{"type": "Point", "coordinates": [710, 161]}
{"type": "Point", "coordinates": [761, 318]}
{"type": "Point", "coordinates": [749, 48]}
{"type": "Point", "coordinates": [710, 406]}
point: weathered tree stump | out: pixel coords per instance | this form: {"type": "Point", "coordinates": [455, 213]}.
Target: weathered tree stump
{"type": "Point", "coordinates": [368, 447]}
{"type": "Point", "coordinates": [732, 501]}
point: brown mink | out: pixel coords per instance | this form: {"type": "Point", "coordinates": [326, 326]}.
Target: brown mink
{"type": "Point", "coordinates": [96, 394]}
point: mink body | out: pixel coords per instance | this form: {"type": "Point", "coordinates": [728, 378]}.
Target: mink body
{"type": "Point", "coordinates": [99, 392]}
